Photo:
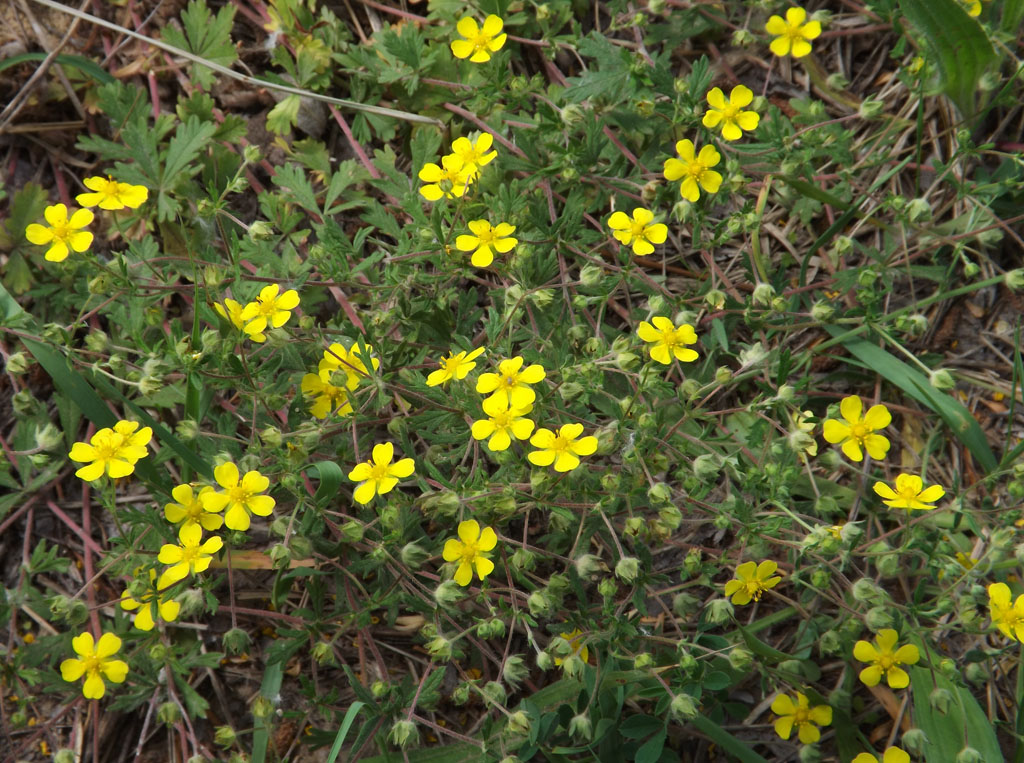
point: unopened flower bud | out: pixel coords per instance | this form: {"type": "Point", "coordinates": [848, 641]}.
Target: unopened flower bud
{"type": "Point", "coordinates": [588, 565]}
{"type": "Point", "coordinates": [683, 707]}
{"type": "Point", "coordinates": [514, 670]}
{"type": "Point", "coordinates": [403, 733]}
{"type": "Point", "coordinates": [540, 604]}
{"type": "Point", "coordinates": [413, 555]}
{"type": "Point", "coordinates": [715, 299]}
{"type": "Point", "coordinates": [916, 742]}
{"type": "Point", "coordinates": [871, 108]}
{"type": "Point", "coordinates": [581, 727]}
{"type": "Point", "coordinates": [494, 693]}
{"type": "Point", "coordinates": [764, 293]}
{"type": "Point", "coordinates": [18, 362]}
{"type": "Point", "coordinates": [940, 699]}
{"type": "Point", "coordinates": [867, 591]}
{"type": "Point", "coordinates": [519, 723]}
{"type": "Point", "coordinates": [1014, 279]}
{"type": "Point", "coordinates": [719, 611]}
{"type": "Point", "coordinates": [969, 755]}
{"type": "Point", "coordinates": [942, 379]}
{"type": "Point", "coordinates": [236, 641]}
{"type": "Point", "coordinates": [627, 569]}
{"type": "Point", "coordinates": [168, 713]}
{"type": "Point", "coordinates": [878, 618]}
{"type": "Point", "coordinates": [262, 708]}
{"type": "Point", "coordinates": [706, 466]}
{"type": "Point", "coordinates": [225, 736]}
{"type": "Point", "coordinates": [440, 648]}
{"type": "Point", "coordinates": [322, 653]}
{"type": "Point", "coordinates": [822, 312]}
{"type": "Point", "coordinates": [607, 588]}
{"type": "Point", "coordinates": [723, 374]}
{"type": "Point", "coordinates": [809, 753]}
{"type": "Point", "coordinates": [524, 559]}
{"type": "Point", "coordinates": [741, 659]}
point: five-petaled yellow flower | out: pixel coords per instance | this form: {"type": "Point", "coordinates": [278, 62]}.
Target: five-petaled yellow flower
{"type": "Point", "coordinates": [802, 715]}
{"type": "Point", "coordinates": [94, 663]}
{"type": "Point", "coordinates": [638, 231]}
{"type": "Point", "coordinates": [378, 475]}
{"type": "Point", "coordinates": [240, 496]}
{"type": "Point", "coordinates": [694, 169]}
{"type": "Point", "coordinates": [562, 449]}
{"type": "Point", "coordinates": [189, 509]}
{"type": "Point", "coordinates": [792, 35]}
{"type": "Point", "coordinates": [271, 308]}
{"type": "Point", "coordinates": [511, 383]}
{"type": "Point", "coordinates": [909, 494]}
{"type": "Point", "coordinates": [857, 434]}
{"type": "Point", "coordinates": [448, 180]}
{"type": "Point", "coordinates": [350, 362]}
{"type": "Point", "coordinates": [112, 451]}
{"type": "Point", "coordinates": [502, 423]}
{"type": "Point", "coordinates": [456, 366]}
{"type": "Point", "coordinates": [326, 397]}
{"type": "Point", "coordinates": [579, 646]}
{"type": "Point", "coordinates": [751, 581]}
{"type": "Point", "coordinates": [484, 239]}
{"type": "Point", "coordinates": [730, 115]}
{"type": "Point", "coordinates": [108, 193]}
{"type": "Point", "coordinates": [190, 558]}
{"type": "Point", "coordinates": [232, 311]}
{"type": "Point", "coordinates": [891, 755]}
{"type": "Point", "coordinates": [474, 155]}
{"type": "Point", "coordinates": [1007, 615]}
{"type": "Point", "coordinates": [63, 234]}
{"type": "Point", "coordinates": [151, 599]}
{"type": "Point", "coordinates": [885, 660]}
{"type": "Point", "coordinates": [480, 42]}
{"type": "Point", "coordinates": [470, 551]}
{"type": "Point", "coordinates": [667, 340]}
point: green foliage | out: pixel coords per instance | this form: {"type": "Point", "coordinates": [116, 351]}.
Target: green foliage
{"type": "Point", "coordinates": [207, 36]}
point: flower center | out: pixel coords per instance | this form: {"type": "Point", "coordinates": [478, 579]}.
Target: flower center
{"type": "Point", "coordinates": [508, 382]}
{"type": "Point", "coordinates": [886, 661]}
{"type": "Point", "coordinates": [695, 169]}
{"type": "Point", "coordinates": [379, 472]}
{"type": "Point", "coordinates": [755, 589]}
{"type": "Point", "coordinates": [729, 112]}
{"type": "Point", "coordinates": [469, 551]}
{"type": "Point", "coordinates": [267, 308]}
{"type": "Point", "coordinates": [669, 339]}
{"type": "Point", "coordinates": [108, 448]}
{"type": "Point", "coordinates": [561, 444]}
{"type": "Point", "coordinates": [189, 554]}
{"type": "Point", "coordinates": [859, 431]}
{"type": "Point", "coordinates": [503, 420]}
{"type": "Point", "coordinates": [802, 716]}
{"type": "Point", "coordinates": [486, 237]}
{"type": "Point", "coordinates": [794, 33]}
{"type": "Point", "coordinates": [480, 42]}
{"type": "Point", "coordinates": [239, 494]}
{"type": "Point", "coordinates": [638, 230]}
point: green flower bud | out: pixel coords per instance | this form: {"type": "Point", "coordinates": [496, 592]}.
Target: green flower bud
{"type": "Point", "coordinates": [871, 108]}
{"type": "Point", "coordinates": [719, 611]}
{"type": "Point", "coordinates": [571, 391]}
{"type": "Point", "coordinates": [764, 293]}
{"type": "Point", "coordinates": [889, 565]}
{"type": "Point", "coordinates": [878, 618]}
{"type": "Point", "coordinates": [580, 726]}
{"type": "Point", "coordinates": [607, 588]}
{"type": "Point", "coordinates": [916, 742]}
{"type": "Point", "coordinates": [822, 312]}
{"type": "Point", "coordinates": [545, 661]}
{"type": "Point", "coordinates": [158, 652]}
{"type": "Point", "coordinates": [976, 673]}
{"type": "Point", "coordinates": [168, 713]}
{"type": "Point", "coordinates": [588, 565]}
{"type": "Point", "coordinates": [809, 753]}
{"type": "Point", "coordinates": [942, 379]}
{"type": "Point", "coordinates": [48, 437]}
{"type": "Point", "coordinates": [540, 604]}
{"type": "Point", "coordinates": [1014, 279]}
{"type": "Point", "coordinates": [323, 653]}
{"type": "Point", "coordinates": [627, 569]}
{"type": "Point", "coordinates": [225, 736]}
{"type": "Point", "coordinates": [262, 708]}
{"type": "Point", "coordinates": [351, 532]}
{"type": "Point", "coordinates": [643, 661]}
{"type": "Point", "coordinates": [867, 591]}
{"type": "Point", "coordinates": [753, 355]}
{"type": "Point", "coordinates": [741, 659]}
{"type": "Point", "coordinates": [634, 526]}
{"type": "Point", "coordinates": [830, 643]}
{"type": "Point", "coordinates": [693, 562]}
{"type": "Point", "coordinates": [413, 555]}
{"type": "Point", "coordinates": [940, 700]}
{"type": "Point", "coordinates": [683, 707]}
{"type": "Point", "coordinates": [494, 693]}
{"type": "Point", "coordinates": [706, 466]}
{"type": "Point", "coordinates": [236, 641]}
{"type": "Point", "coordinates": [64, 755]}
{"type": "Point", "coordinates": [514, 671]}
{"type": "Point", "coordinates": [722, 522]}
{"type": "Point", "coordinates": [684, 604]}
{"type": "Point", "coordinates": [969, 755]}
{"type": "Point", "coordinates": [300, 547]}
{"type": "Point", "coordinates": [462, 693]}
{"type": "Point", "coordinates": [715, 299]}
{"type": "Point", "coordinates": [403, 733]}
{"type": "Point", "coordinates": [820, 578]}
{"type": "Point", "coordinates": [280, 555]}
{"type": "Point", "coordinates": [19, 362]}
{"type": "Point", "coordinates": [626, 360]}
{"type": "Point", "coordinates": [440, 648]}
{"type": "Point", "coordinates": [519, 723]}
{"type": "Point", "coordinates": [723, 374]}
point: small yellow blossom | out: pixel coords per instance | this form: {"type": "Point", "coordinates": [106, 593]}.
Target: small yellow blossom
{"type": "Point", "coordinates": [480, 42]}
{"type": "Point", "coordinates": [886, 660]}
{"type": "Point", "coordinates": [240, 496]}
{"type": "Point", "coordinates": [892, 755]}
{"type": "Point", "coordinates": [638, 232]}
{"type": "Point", "coordinates": [563, 450]}
{"type": "Point", "coordinates": [271, 309]}
{"type": "Point", "coordinates": [350, 362]}
{"type": "Point", "coordinates": [191, 557]}
{"type": "Point", "coordinates": [470, 551]}
{"type": "Point", "coordinates": [667, 340]}
{"type": "Point", "coordinates": [909, 494]}
{"type": "Point", "coordinates": [730, 115]}
{"type": "Point", "coordinates": [973, 7]}
{"type": "Point", "coordinates": [502, 423]}
{"type": "Point", "coordinates": [484, 239]}
{"type": "Point", "coordinates": [579, 646]}
{"type": "Point", "coordinates": [449, 180]}
{"type": "Point", "coordinates": [751, 581]}
{"type": "Point", "coordinates": [379, 475]}
{"type": "Point", "coordinates": [792, 35]}
{"type": "Point", "coordinates": [110, 194]}
{"type": "Point", "coordinates": [166, 607]}
{"type": "Point", "coordinates": [456, 366]}
{"type": "Point", "coordinates": [802, 715]}
{"type": "Point", "coordinates": [326, 397]}
{"type": "Point", "coordinates": [857, 433]}
{"type": "Point", "coordinates": [1007, 615]}
{"type": "Point", "coordinates": [694, 169]}
{"type": "Point", "coordinates": [189, 509]}
{"type": "Point", "coordinates": [232, 311]}
{"type": "Point", "coordinates": [64, 234]}
{"type": "Point", "coordinates": [95, 663]}
{"type": "Point", "coordinates": [112, 451]}
{"type": "Point", "coordinates": [474, 155]}
{"type": "Point", "coordinates": [511, 383]}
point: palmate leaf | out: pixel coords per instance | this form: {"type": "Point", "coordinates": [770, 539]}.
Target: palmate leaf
{"type": "Point", "coordinates": [205, 35]}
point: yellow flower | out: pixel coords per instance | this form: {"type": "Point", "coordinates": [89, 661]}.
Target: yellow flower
{"type": "Point", "coordinates": [510, 383]}
{"type": "Point", "coordinates": [350, 362]}
{"type": "Point", "coordinates": [858, 433]}
{"type": "Point", "coordinates": [639, 232]}
{"type": "Point", "coordinates": [151, 599]}
{"type": "Point", "coordinates": [114, 451]}
{"type": "Point", "coordinates": [668, 340]}
{"type": "Point", "coordinates": [479, 42]}
{"type": "Point", "coordinates": [563, 450]}
{"type": "Point", "coordinates": [730, 116]}
{"type": "Point", "coordinates": [500, 422]}
{"type": "Point", "coordinates": [470, 551]}
{"type": "Point", "coordinates": [95, 664]}
{"type": "Point", "coordinates": [379, 475]}
{"type": "Point", "coordinates": [239, 496]}
{"type": "Point", "coordinates": [1007, 616]}
{"type": "Point", "coordinates": [484, 239]}
{"type": "Point", "coordinates": [269, 309]}
{"type": "Point", "coordinates": [189, 558]}
{"type": "Point", "coordinates": [792, 35]}
{"type": "Point", "coordinates": [695, 170]}
{"type": "Point", "coordinates": [231, 311]}
{"type": "Point", "coordinates": [802, 715]}
{"type": "Point", "coordinates": [326, 397]}
{"type": "Point", "coordinates": [110, 194]}
{"type": "Point", "coordinates": [892, 755]}
{"type": "Point", "coordinates": [908, 493]}
{"type": "Point", "coordinates": [885, 660]}
{"type": "Point", "coordinates": [751, 581]}
{"type": "Point", "coordinates": [474, 155]}
{"type": "Point", "coordinates": [63, 235]}
{"type": "Point", "coordinates": [455, 366]}
{"type": "Point", "coordinates": [973, 7]}
{"type": "Point", "coordinates": [189, 509]}
{"type": "Point", "coordinates": [579, 646]}
{"type": "Point", "coordinates": [448, 180]}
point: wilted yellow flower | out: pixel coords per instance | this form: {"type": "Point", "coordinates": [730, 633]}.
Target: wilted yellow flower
{"type": "Point", "coordinates": [470, 551]}
{"type": "Point", "coordinates": [479, 42]}
{"type": "Point", "coordinates": [95, 664]}
{"type": "Point", "coordinates": [63, 234]}
{"type": "Point", "coordinates": [885, 660]}
{"type": "Point", "coordinates": [751, 581]}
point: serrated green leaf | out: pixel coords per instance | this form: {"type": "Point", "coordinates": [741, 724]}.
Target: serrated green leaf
{"type": "Point", "coordinates": [206, 36]}
{"type": "Point", "coordinates": [283, 116]}
{"type": "Point", "coordinates": [190, 138]}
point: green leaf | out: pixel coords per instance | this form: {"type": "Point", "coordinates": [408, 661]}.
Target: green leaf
{"type": "Point", "coordinates": [725, 740]}
{"type": "Point", "coordinates": [84, 65]}
{"type": "Point", "coordinates": [190, 138]}
{"type": "Point", "coordinates": [269, 688]}
{"type": "Point", "coordinates": [346, 724]}
{"type": "Point", "coordinates": [640, 726]}
{"type": "Point", "coordinates": [330, 476]}
{"type": "Point", "coordinates": [965, 723]}
{"type": "Point", "coordinates": [206, 36]}
{"type": "Point", "coordinates": [609, 78]}
{"type": "Point", "coordinates": [283, 116]}
{"type": "Point", "coordinates": [958, 44]}
{"type": "Point", "coordinates": [650, 750]}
